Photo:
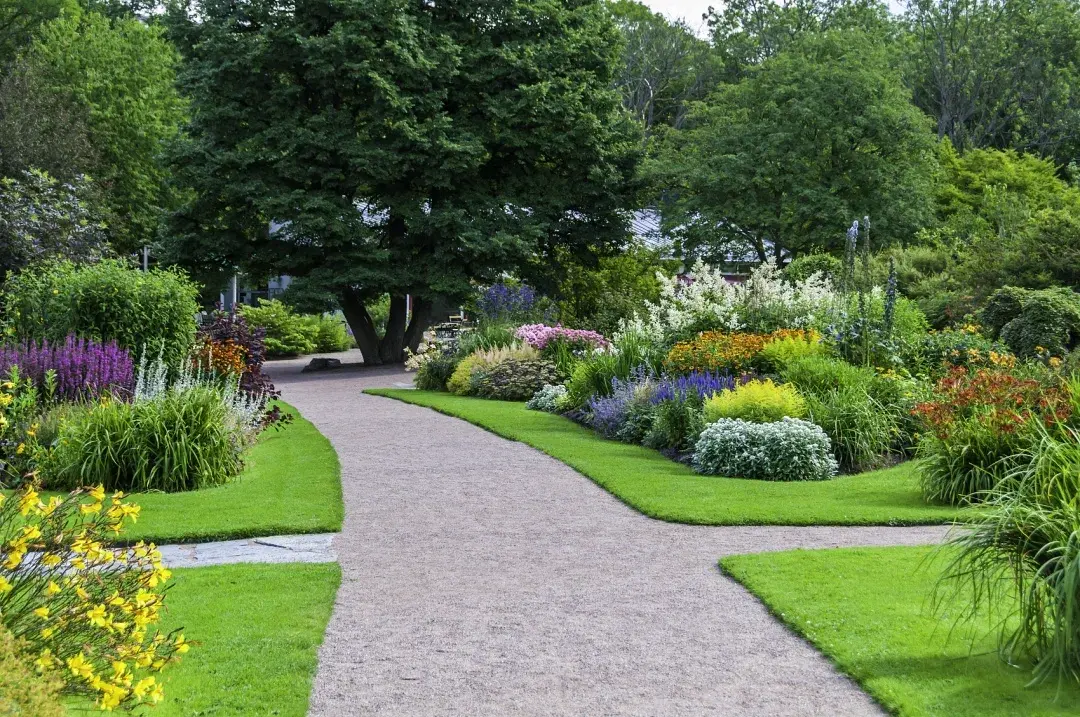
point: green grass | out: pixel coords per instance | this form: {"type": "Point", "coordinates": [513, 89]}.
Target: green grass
{"type": "Point", "coordinates": [869, 611]}
{"type": "Point", "coordinates": [291, 484]}
{"type": "Point", "coordinates": [658, 487]}
{"type": "Point", "coordinates": [257, 630]}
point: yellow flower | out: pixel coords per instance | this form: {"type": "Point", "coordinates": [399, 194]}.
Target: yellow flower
{"type": "Point", "coordinates": [52, 588]}
{"type": "Point", "coordinates": [5, 585]}
{"type": "Point", "coordinates": [143, 686]}
{"type": "Point", "coordinates": [45, 660]}
{"type": "Point", "coordinates": [96, 616]}
{"type": "Point", "coordinates": [20, 449]}
{"type": "Point", "coordinates": [29, 501]}
{"type": "Point", "coordinates": [47, 632]}
{"type": "Point", "coordinates": [14, 559]}
{"type": "Point", "coordinates": [181, 644]}
{"type": "Point", "coordinates": [50, 560]}
{"type": "Point", "coordinates": [42, 612]}
{"type": "Point", "coordinates": [90, 508]}
{"type": "Point", "coordinates": [98, 493]}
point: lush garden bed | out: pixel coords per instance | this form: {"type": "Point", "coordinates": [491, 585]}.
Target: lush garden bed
{"type": "Point", "coordinates": [870, 611]}
{"type": "Point", "coordinates": [661, 488]}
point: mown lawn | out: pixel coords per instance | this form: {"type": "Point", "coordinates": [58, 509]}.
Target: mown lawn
{"type": "Point", "coordinates": [870, 611]}
{"type": "Point", "coordinates": [256, 631]}
{"type": "Point", "coordinates": [291, 484]}
{"type": "Point", "coordinates": [660, 488]}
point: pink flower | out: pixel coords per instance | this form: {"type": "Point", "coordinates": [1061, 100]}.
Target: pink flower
{"type": "Point", "coordinates": [539, 336]}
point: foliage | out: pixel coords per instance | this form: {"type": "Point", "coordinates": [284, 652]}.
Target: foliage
{"type": "Point", "coordinates": [819, 133]}
{"type": "Point", "coordinates": [42, 218]}
{"type": "Point", "coordinates": [124, 72]}
{"type": "Point", "coordinates": [182, 440]}
{"type": "Point", "coordinates": [73, 370]}
{"type": "Point", "coordinates": [780, 352]}
{"type": "Point", "coordinates": [765, 302]}
{"type": "Point", "coordinates": [85, 608]}
{"type": "Point", "coordinates": [331, 334]}
{"type": "Point", "coordinates": [963, 346]}
{"type": "Point", "coordinates": [869, 330]}
{"type": "Point", "coordinates": [609, 413]}
{"type": "Point", "coordinates": [756, 401]}
{"type": "Point", "coordinates": [475, 141]}
{"type": "Point", "coordinates": [20, 411]}
{"type": "Point", "coordinates": [285, 332]}
{"type": "Point", "coordinates": [630, 352]}
{"type": "Point", "coordinates": [603, 296]}
{"type": "Point", "coordinates": [676, 424]}
{"type": "Point", "coordinates": [861, 430]}
{"type": "Point", "coordinates": [23, 691]}
{"type": "Point", "coordinates": [547, 399]}
{"type": "Point", "coordinates": [227, 339]}
{"type": "Point", "coordinates": [513, 379]}
{"type": "Point", "coordinates": [1030, 322]}
{"type": "Point", "coordinates": [486, 337]}
{"type": "Point", "coordinates": [978, 427]}
{"type": "Point", "coordinates": [803, 267]}
{"type": "Point", "coordinates": [107, 301]}
{"type": "Point", "coordinates": [470, 369]}
{"type": "Point", "coordinates": [788, 449]}
{"type": "Point", "coordinates": [433, 374]}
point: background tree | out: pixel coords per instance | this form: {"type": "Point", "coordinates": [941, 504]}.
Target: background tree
{"type": "Point", "coordinates": [999, 73]}
{"type": "Point", "coordinates": [120, 76]}
{"type": "Point", "coordinates": [400, 148]}
{"type": "Point", "coordinates": [664, 65]}
{"type": "Point", "coordinates": [819, 135]}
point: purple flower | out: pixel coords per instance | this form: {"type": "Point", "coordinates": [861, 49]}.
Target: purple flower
{"type": "Point", "coordinates": [501, 301]}
{"type": "Point", "coordinates": [700, 384]}
{"type": "Point", "coordinates": [84, 368]}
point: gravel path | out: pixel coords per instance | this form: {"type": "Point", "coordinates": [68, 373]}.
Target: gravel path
{"type": "Point", "coordinates": [481, 577]}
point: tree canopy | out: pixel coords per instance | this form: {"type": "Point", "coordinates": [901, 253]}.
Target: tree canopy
{"type": "Point", "coordinates": [400, 147]}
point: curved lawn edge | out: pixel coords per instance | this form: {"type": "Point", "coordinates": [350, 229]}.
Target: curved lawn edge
{"type": "Point", "coordinates": [291, 484]}
{"type": "Point", "coordinates": [869, 611]}
{"type": "Point", "coordinates": [669, 491]}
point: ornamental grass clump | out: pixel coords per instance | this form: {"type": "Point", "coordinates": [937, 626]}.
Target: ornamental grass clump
{"type": "Point", "coordinates": [85, 610]}
{"type": "Point", "coordinates": [785, 450]}
{"type": "Point", "coordinates": [757, 401]}
{"type": "Point", "coordinates": [79, 368]}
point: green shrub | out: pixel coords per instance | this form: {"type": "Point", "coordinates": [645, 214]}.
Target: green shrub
{"type": "Point", "coordinates": [181, 440]}
{"type": "Point", "coordinates": [859, 428]}
{"type": "Point", "coordinates": [803, 267]}
{"type": "Point", "coordinates": [152, 311]}
{"type": "Point", "coordinates": [756, 401]}
{"type": "Point", "coordinates": [819, 375]}
{"type": "Point", "coordinates": [486, 337]}
{"type": "Point", "coordinates": [779, 353]}
{"type": "Point", "coordinates": [593, 375]}
{"type": "Point", "coordinates": [514, 379]}
{"type": "Point", "coordinates": [676, 426]}
{"type": "Point", "coordinates": [330, 332]}
{"type": "Point", "coordinates": [434, 373]}
{"type": "Point", "coordinates": [942, 350]}
{"type": "Point", "coordinates": [786, 450]}
{"type": "Point", "coordinates": [287, 333]}
{"type": "Point", "coordinates": [1028, 320]}
{"type": "Point", "coordinates": [22, 690]}
{"type": "Point", "coordinates": [469, 370]}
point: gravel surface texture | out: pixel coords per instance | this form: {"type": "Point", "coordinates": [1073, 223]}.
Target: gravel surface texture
{"type": "Point", "coordinates": [481, 577]}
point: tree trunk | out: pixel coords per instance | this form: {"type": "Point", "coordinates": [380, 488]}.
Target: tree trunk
{"type": "Point", "coordinates": [421, 319]}
{"type": "Point", "coordinates": [391, 347]}
{"type": "Point", "coordinates": [356, 315]}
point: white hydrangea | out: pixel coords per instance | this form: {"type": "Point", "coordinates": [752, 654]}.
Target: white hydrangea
{"type": "Point", "coordinates": [764, 302]}
{"type": "Point", "coordinates": [785, 450]}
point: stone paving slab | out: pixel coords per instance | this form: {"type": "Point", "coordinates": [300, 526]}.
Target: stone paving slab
{"type": "Point", "coordinates": [275, 549]}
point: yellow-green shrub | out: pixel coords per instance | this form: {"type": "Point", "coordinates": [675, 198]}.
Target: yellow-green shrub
{"type": "Point", "coordinates": [780, 352]}
{"type": "Point", "coordinates": [22, 690]}
{"type": "Point", "coordinates": [83, 608]}
{"type": "Point", "coordinates": [461, 381]}
{"type": "Point", "coordinates": [757, 401]}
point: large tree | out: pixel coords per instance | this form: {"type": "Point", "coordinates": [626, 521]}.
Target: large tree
{"type": "Point", "coordinates": [819, 135]}
{"type": "Point", "coordinates": [999, 73]}
{"type": "Point", "coordinates": [399, 147]}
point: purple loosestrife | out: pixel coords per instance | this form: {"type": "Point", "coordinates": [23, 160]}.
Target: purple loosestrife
{"type": "Point", "coordinates": [84, 368]}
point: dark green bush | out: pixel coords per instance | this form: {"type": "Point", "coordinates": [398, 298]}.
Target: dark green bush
{"type": "Point", "coordinates": [435, 372]}
{"type": "Point", "coordinates": [514, 379]}
{"type": "Point", "coordinates": [330, 333]}
{"type": "Point", "coordinates": [1028, 320]}
{"type": "Point", "coordinates": [676, 426]}
{"type": "Point", "coordinates": [803, 267]}
{"type": "Point", "coordinates": [181, 440]}
{"type": "Point", "coordinates": [287, 333]}
{"type": "Point", "coordinates": [106, 301]}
